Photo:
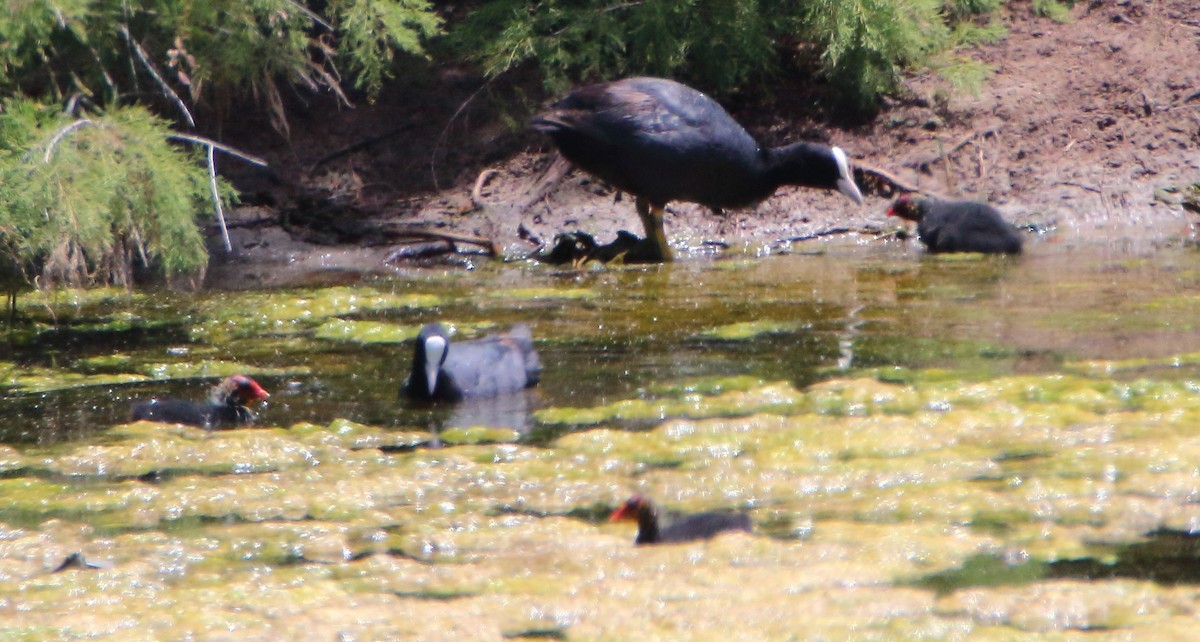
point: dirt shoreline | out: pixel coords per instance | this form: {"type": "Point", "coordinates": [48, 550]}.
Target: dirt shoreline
{"type": "Point", "coordinates": [1083, 129]}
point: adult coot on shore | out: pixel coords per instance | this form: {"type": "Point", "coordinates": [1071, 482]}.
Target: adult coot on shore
{"type": "Point", "coordinates": [663, 141]}
{"type": "Point", "coordinates": [958, 226]}
{"type": "Point", "coordinates": [685, 528]}
{"type": "Point", "coordinates": [226, 406]}
{"type": "Point", "coordinates": [485, 367]}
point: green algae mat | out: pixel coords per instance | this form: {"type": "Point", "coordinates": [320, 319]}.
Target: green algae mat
{"type": "Point", "coordinates": [928, 450]}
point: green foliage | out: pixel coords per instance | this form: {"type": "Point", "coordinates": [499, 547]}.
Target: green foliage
{"type": "Point", "coordinates": [81, 198]}
{"type": "Point", "coordinates": [373, 31]}
{"type": "Point", "coordinates": [1053, 9]}
{"type": "Point", "coordinates": [715, 42]}
{"type": "Point", "coordinates": [109, 50]}
{"type": "Point", "coordinates": [963, 9]}
{"type": "Point", "coordinates": [868, 40]}
{"type": "Point", "coordinates": [723, 44]}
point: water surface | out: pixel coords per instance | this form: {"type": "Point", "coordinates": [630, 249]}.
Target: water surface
{"type": "Point", "coordinates": [930, 448]}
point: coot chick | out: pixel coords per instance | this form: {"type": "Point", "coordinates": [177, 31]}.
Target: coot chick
{"type": "Point", "coordinates": [663, 141]}
{"type": "Point", "coordinates": [485, 367]}
{"type": "Point", "coordinates": [225, 408]}
{"type": "Point", "coordinates": [684, 529]}
{"type": "Point", "coordinates": [958, 226]}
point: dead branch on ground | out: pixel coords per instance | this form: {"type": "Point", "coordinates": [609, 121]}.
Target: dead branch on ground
{"type": "Point", "coordinates": [924, 165]}
{"type": "Point", "coordinates": [413, 235]}
{"type": "Point", "coordinates": [477, 191]}
{"type": "Point", "coordinates": [832, 231]}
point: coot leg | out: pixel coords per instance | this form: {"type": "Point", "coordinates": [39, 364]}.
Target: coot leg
{"type": "Point", "coordinates": [656, 236]}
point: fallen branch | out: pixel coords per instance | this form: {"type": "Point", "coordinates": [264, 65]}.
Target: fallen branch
{"type": "Point", "coordinates": [833, 231]}
{"type": "Point", "coordinates": [1083, 186]}
{"type": "Point", "coordinates": [418, 236]}
{"type": "Point", "coordinates": [923, 165]}
{"type": "Point", "coordinates": [477, 190]}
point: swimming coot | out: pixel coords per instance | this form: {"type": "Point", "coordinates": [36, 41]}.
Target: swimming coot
{"type": "Point", "coordinates": [683, 529]}
{"type": "Point", "coordinates": [485, 367]}
{"type": "Point", "coordinates": [225, 408]}
{"type": "Point", "coordinates": [663, 141]}
{"type": "Point", "coordinates": [958, 226]}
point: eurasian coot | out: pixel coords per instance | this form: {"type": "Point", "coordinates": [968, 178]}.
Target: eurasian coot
{"type": "Point", "coordinates": [485, 367]}
{"type": "Point", "coordinates": [663, 141]}
{"type": "Point", "coordinates": [958, 226]}
{"type": "Point", "coordinates": [683, 529]}
{"type": "Point", "coordinates": [225, 408]}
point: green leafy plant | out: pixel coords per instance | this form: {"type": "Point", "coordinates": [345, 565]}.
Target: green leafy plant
{"type": "Point", "coordinates": [90, 180]}
{"type": "Point", "coordinates": [1053, 9]}
{"type": "Point", "coordinates": [112, 50]}
{"type": "Point", "coordinates": [83, 199]}
{"type": "Point", "coordinates": [715, 42]}
{"type": "Point", "coordinates": [860, 45]}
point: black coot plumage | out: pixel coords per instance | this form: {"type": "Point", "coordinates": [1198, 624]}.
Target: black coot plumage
{"type": "Point", "coordinates": [958, 226]}
{"type": "Point", "coordinates": [685, 528]}
{"type": "Point", "coordinates": [663, 141]}
{"type": "Point", "coordinates": [226, 406]}
{"type": "Point", "coordinates": [485, 367]}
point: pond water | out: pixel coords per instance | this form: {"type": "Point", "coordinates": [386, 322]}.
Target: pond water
{"type": "Point", "coordinates": [929, 448]}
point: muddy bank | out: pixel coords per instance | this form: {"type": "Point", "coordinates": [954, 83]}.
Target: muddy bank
{"type": "Point", "coordinates": [1084, 130]}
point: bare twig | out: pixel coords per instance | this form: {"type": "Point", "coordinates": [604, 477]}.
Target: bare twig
{"type": "Point", "coordinates": [145, 60]}
{"type": "Point", "coordinates": [216, 196]}
{"type": "Point", "coordinates": [923, 165]}
{"type": "Point", "coordinates": [1084, 186]}
{"type": "Point", "coordinates": [253, 160]}
{"type": "Point", "coordinates": [833, 231]}
{"type": "Point", "coordinates": [947, 167]}
{"type": "Point", "coordinates": [62, 133]}
{"type": "Point", "coordinates": [446, 130]}
{"type": "Point", "coordinates": [362, 144]}
{"type": "Point", "coordinates": [477, 190]}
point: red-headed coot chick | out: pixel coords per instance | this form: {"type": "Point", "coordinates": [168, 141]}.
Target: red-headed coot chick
{"type": "Point", "coordinates": [684, 529]}
{"type": "Point", "coordinates": [958, 226]}
{"type": "Point", "coordinates": [663, 141]}
{"type": "Point", "coordinates": [486, 367]}
{"type": "Point", "coordinates": [225, 408]}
